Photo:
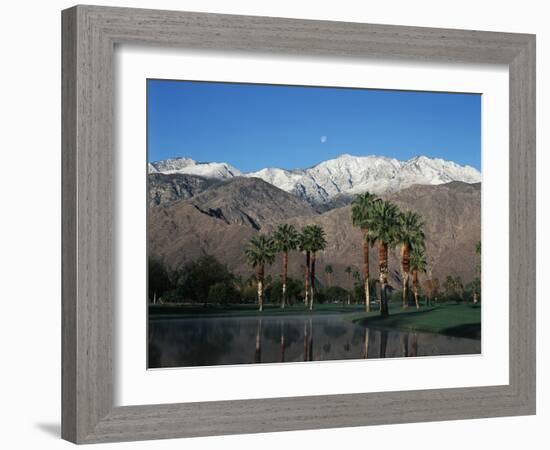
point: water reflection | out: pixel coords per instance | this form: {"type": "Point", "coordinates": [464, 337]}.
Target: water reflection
{"type": "Point", "coordinates": [214, 341]}
{"type": "Point", "coordinates": [258, 354]}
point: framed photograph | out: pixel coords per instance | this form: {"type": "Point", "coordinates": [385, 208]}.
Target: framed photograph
{"type": "Point", "coordinates": [277, 224]}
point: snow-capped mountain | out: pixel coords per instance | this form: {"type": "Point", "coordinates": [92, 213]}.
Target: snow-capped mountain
{"type": "Point", "coordinates": [192, 167]}
{"type": "Point", "coordinates": [343, 175]}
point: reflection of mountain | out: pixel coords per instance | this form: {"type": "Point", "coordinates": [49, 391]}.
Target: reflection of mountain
{"type": "Point", "coordinates": [219, 217]}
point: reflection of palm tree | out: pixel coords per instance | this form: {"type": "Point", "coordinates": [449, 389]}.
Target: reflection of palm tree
{"type": "Point", "coordinates": [405, 344]}
{"type": "Point", "coordinates": [260, 251]}
{"type": "Point", "coordinates": [366, 347]}
{"type": "Point", "coordinates": [282, 341]}
{"type": "Point", "coordinates": [418, 264]}
{"type": "Point", "coordinates": [306, 341]}
{"type": "Point", "coordinates": [361, 217]}
{"type": "Point", "coordinates": [414, 345]}
{"type": "Point", "coordinates": [258, 353]}
{"type": "Point", "coordinates": [310, 340]}
{"type": "Point", "coordinates": [383, 343]}
{"type": "Point", "coordinates": [286, 239]}
{"type": "Point", "coordinates": [410, 234]}
{"type": "Point", "coordinates": [384, 227]}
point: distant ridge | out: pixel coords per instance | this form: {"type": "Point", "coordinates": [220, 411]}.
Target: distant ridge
{"type": "Point", "coordinates": [344, 175]}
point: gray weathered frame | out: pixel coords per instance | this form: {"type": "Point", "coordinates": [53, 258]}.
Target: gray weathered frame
{"type": "Point", "coordinates": [89, 36]}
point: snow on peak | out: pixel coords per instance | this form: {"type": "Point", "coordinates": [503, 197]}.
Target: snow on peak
{"type": "Point", "coordinates": [192, 167]}
{"type": "Point", "coordinates": [346, 174]}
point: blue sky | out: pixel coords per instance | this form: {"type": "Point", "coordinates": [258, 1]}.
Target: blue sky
{"type": "Point", "coordinates": [254, 126]}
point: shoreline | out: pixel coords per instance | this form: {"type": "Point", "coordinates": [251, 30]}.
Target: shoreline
{"type": "Point", "coordinates": [454, 320]}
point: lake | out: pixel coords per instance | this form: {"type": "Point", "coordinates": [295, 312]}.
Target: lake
{"type": "Point", "coordinates": [245, 340]}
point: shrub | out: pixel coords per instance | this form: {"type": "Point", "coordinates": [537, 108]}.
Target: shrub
{"type": "Point", "coordinates": [195, 278]}
{"type": "Point", "coordinates": [224, 293]}
{"type": "Point", "coordinates": [249, 294]}
{"type": "Point", "coordinates": [335, 294]}
{"type": "Point", "coordinates": [294, 291]}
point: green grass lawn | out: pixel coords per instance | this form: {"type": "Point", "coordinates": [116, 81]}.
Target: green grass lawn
{"type": "Point", "coordinates": [187, 311]}
{"type": "Point", "coordinates": [462, 320]}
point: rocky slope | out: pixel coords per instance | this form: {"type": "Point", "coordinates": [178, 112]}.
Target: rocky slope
{"type": "Point", "coordinates": [249, 201]}
{"type": "Point", "coordinates": [163, 189]}
{"type": "Point", "coordinates": [221, 219]}
{"type": "Point", "coordinates": [336, 178]}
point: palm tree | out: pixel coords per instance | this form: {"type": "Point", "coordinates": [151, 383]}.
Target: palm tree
{"type": "Point", "coordinates": [305, 246]}
{"type": "Point", "coordinates": [449, 286]}
{"type": "Point", "coordinates": [348, 271]}
{"type": "Point", "coordinates": [410, 234]}
{"type": "Point", "coordinates": [418, 264]}
{"type": "Point", "coordinates": [328, 271]}
{"type": "Point", "coordinates": [384, 227]}
{"type": "Point", "coordinates": [361, 218]}
{"type": "Point", "coordinates": [260, 251]}
{"type": "Point", "coordinates": [286, 239]}
{"type": "Point", "coordinates": [317, 243]}
{"type": "Point", "coordinates": [459, 287]}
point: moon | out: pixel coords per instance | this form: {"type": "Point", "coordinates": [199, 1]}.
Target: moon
{"type": "Point", "coordinates": [323, 139]}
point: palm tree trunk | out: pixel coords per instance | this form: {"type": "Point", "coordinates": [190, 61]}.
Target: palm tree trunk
{"type": "Point", "coordinates": [260, 276]}
{"type": "Point", "coordinates": [285, 271]}
{"type": "Point", "coordinates": [405, 263]}
{"type": "Point", "coordinates": [415, 287]}
{"type": "Point", "coordinates": [366, 271]}
{"type": "Point", "coordinates": [312, 282]}
{"type": "Point", "coordinates": [306, 283]}
{"type": "Point", "coordinates": [383, 263]}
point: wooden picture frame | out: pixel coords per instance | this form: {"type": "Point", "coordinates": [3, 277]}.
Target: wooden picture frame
{"type": "Point", "coordinates": [90, 34]}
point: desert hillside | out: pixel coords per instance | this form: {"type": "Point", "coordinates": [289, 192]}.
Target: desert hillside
{"type": "Point", "coordinates": [191, 216]}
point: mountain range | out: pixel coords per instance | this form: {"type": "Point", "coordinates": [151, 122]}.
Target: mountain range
{"type": "Point", "coordinates": [343, 176]}
{"type": "Point", "coordinates": [192, 215]}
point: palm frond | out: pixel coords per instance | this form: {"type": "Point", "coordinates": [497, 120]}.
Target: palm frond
{"type": "Point", "coordinates": [384, 225]}
{"type": "Point", "coordinates": [260, 250]}
{"type": "Point", "coordinates": [286, 238]}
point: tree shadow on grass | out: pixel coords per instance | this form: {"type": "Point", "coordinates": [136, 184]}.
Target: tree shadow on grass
{"type": "Point", "coordinates": [467, 330]}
